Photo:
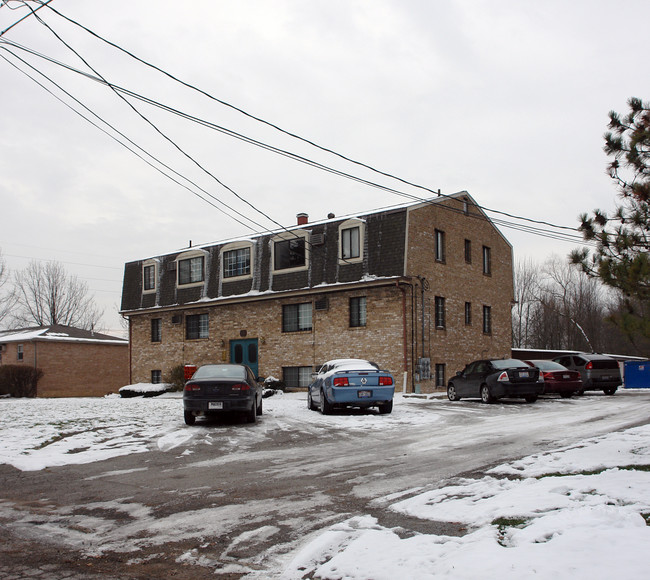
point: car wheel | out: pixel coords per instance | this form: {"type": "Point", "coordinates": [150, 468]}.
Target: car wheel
{"type": "Point", "coordinates": [531, 398]}
{"type": "Point", "coordinates": [486, 396]}
{"type": "Point", "coordinates": [325, 407]}
{"type": "Point", "coordinates": [610, 391]}
{"type": "Point", "coordinates": [451, 393]}
{"type": "Point", "coordinates": [258, 411]}
{"type": "Point", "coordinates": [386, 408]}
{"type": "Point", "coordinates": [251, 416]}
{"type": "Point", "coordinates": [190, 419]}
{"type": "Point", "coordinates": [310, 402]}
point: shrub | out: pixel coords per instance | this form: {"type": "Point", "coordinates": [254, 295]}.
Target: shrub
{"type": "Point", "coordinates": [175, 378]}
{"type": "Point", "coordinates": [19, 380]}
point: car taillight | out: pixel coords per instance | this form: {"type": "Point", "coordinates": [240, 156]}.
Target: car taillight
{"type": "Point", "coordinates": [385, 381]}
{"type": "Point", "coordinates": [589, 365]}
{"type": "Point", "coordinates": [192, 387]}
{"type": "Point", "coordinates": [341, 382]}
{"type": "Point", "coordinates": [241, 387]}
{"type": "Point", "coordinates": [503, 377]}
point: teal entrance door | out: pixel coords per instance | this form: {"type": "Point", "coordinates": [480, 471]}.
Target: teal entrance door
{"type": "Point", "coordinates": [245, 352]}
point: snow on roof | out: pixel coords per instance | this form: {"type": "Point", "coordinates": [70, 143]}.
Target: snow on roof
{"type": "Point", "coordinates": [58, 333]}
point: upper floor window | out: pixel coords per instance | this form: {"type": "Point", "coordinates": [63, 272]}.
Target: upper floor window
{"type": "Point", "coordinates": [358, 311]}
{"type": "Point", "coordinates": [296, 317]}
{"type": "Point", "coordinates": [19, 352]}
{"type": "Point", "coordinates": [440, 312]}
{"type": "Point", "coordinates": [440, 246]}
{"type": "Point", "coordinates": [191, 269]}
{"type": "Point", "coordinates": [156, 329]}
{"type": "Point", "coordinates": [468, 251]}
{"type": "Point", "coordinates": [351, 235]}
{"type": "Point", "coordinates": [468, 313]}
{"type": "Point", "coordinates": [289, 251]}
{"type": "Point", "coordinates": [196, 326]}
{"type": "Point", "coordinates": [149, 276]}
{"type": "Point", "coordinates": [487, 261]}
{"type": "Point", "coordinates": [237, 262]}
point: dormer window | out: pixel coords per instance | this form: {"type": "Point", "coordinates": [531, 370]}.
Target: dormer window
{"type": "Point", "coordinates": [351, 235]}
{"type": "Point", "coordinates": [290, 251]}
{"type": "Point", "coordinates": [149, 275]}
{"type": "Point", "coordinates": [191, 268]}
{"type": "Point", "coordinates": [236, 260]}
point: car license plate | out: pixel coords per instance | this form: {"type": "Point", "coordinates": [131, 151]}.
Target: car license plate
{"type": "Point", "coordinates": [364, 394]}
{"type": "Point", "coordinates": [215, 405]}
{"type": "Point", "coordinates": [566, 377]}
{"type": "Point", "coordinates": [524, 374]}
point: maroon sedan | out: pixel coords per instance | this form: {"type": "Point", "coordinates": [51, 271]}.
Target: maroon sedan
{"type": "Point", "coordinates": [557, 378]}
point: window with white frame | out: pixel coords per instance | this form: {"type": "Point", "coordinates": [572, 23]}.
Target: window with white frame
{"type": "Point", "coordinates": [236, 261]}
{"type": "Point", "coordinates": [191, 270]}
{"type": "Point", "coordinates": [296, 317]}
{"type": "Point", "coordinates": [149, 277]}
{"type": "Point", "coordinates": [196, 326]}
{"type": "Point", "coordinates": [351, 236]}
{"type": "Point", "coordinates": [296, 376]}
{"type": "Point", "coordinates": [290, 252]}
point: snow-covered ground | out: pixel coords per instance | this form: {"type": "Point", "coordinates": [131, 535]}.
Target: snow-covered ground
{"type": "Point", "coordinates": [582, 511]}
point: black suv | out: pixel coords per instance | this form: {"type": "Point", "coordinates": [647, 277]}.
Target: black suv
{"type": "Point", "coordinates": [598, 371]}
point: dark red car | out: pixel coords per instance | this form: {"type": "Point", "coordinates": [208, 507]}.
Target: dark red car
{"type": "Point", "coordinates": [557, 378]}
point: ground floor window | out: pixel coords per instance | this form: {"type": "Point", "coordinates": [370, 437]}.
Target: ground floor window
{"type": "Point", "coordinates": [440, 375]}
{"type": "Point", "coordinates": [297, 376]}
{"type": "Point", "coordinates": [156, 377]}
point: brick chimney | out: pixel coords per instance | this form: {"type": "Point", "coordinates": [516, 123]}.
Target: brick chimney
{"type": "Point", "coordinates": [302, 218]}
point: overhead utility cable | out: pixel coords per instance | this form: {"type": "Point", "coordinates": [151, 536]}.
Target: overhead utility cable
{"type": "Point", "coordinates": [289, 133]}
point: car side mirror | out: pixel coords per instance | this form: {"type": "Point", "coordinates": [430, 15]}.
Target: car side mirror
{"type": "Point", "coordinates": [459, 373]}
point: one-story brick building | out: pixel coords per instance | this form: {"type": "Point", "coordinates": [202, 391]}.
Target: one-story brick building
{"type": "Point", "coordinates": [75, 362]}
{"type": "Point", "coordinates": [421, 289]}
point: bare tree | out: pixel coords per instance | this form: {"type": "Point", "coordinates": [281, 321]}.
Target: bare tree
{"type": "Point", "coordinates": [7, 299]}
{"type": "Point", "coordinates": [526, 292]}
{"type": "Point", "coordinates": [46, 294]}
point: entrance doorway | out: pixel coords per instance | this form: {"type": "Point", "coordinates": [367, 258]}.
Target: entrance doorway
{"type": "Point", "coordinates": [245, 352]}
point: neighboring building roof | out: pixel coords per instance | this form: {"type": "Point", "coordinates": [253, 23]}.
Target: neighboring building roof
{"type": "Point", "coordinates": [57, 333]}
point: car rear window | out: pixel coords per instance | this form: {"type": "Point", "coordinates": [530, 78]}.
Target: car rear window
{"type": "Point", "coordinates": [220, 372]}
{"type": "Point", "coordinates": [508, 363]}
{"type": "Point", "coordinates": [604, 364]}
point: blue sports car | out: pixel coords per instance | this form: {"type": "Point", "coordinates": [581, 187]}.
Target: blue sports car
{"type": "Point", "coordinates": [345, 383]}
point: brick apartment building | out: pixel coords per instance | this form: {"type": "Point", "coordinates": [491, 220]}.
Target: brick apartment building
{"type": "Point", "coordinates": [421, 289]}
{"type": "Point", "coordinates": [75, 362]}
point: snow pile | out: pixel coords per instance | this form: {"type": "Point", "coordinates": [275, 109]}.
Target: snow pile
{"type": "Point", "coordinates": [579, 512]}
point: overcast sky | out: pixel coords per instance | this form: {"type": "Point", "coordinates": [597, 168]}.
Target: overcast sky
{"type": "Point", "coordinates": [505, 99]}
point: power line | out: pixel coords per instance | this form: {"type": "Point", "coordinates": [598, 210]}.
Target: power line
{"type": "Point", "coordinates": [289, 133]}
